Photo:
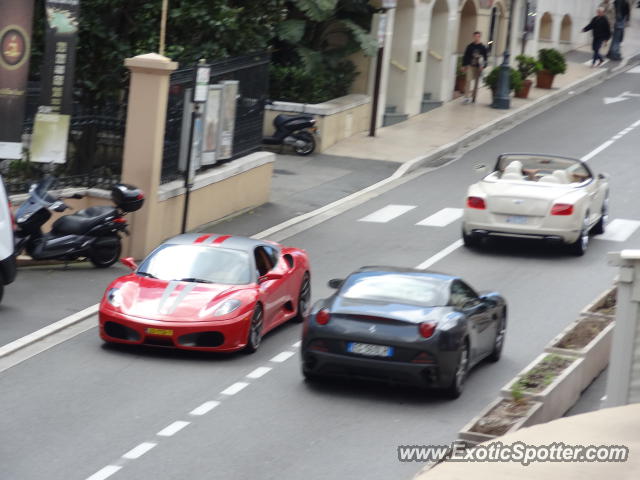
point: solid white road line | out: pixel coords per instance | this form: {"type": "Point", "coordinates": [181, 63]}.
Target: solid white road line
{"type": "Point", "coordinates": [259, 372]}
{"type": "Point", "coordinates": [297, 344]}
{"type": "Point", "coordinates": [235, 388]}
{"type": "Point", "coordinates": [172, 429]}
{"type": "Point", "coordinates": [440, 255]}
{"type": "Point", "coordinates": [138, 451]}
{"type": "Point", "coordinates": [105, 472]}
{"type": "Point", "coordinates": [442, 218]}
{"type": "Point", "coordinates": [634, 70]}
{"type": "Point", "coordinates": [281, 357]}
{"type": "Point", "coordinates": [205, 408]}
{"type": "Point", "coordinates": [596, 151]}
{"type": "Point", "coordinates": [619, 230]}
{"type": "Point", "coordinates": [387, 213]}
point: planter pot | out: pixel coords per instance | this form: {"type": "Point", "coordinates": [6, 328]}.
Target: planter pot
{"type": "Point", "coordinates": [544, 79]}
{"type": "Point", "coordinates": [595, 354]}
{"type": "Point", "coordinates": [531, 416]}
{"type": "Point", "coordinates": [557, 397]}
{"type": "Point", "coordinates": [524, 91]}
{"type": "Point", "coordinates": [603, 306]}
{"type": "Point", "coordinates": [461, 82]}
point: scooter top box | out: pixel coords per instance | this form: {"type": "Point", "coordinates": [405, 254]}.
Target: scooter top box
{"type": "Point", "coordinates": [127, 197]}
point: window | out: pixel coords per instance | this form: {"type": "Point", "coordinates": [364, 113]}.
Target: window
{"type": "Point", "coordinates": [461, 293]}
{"type": "Point", "coordinates": [264, 261]}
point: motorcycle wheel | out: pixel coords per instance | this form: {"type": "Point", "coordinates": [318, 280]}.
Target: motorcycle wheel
{"type": "Point", "coordinates": [103, 257]}
{"type": "Point", "coordinates": [310, 143]}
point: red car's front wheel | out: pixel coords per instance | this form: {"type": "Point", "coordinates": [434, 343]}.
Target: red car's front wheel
{"type": "Point", "coordinates": [255, 330]}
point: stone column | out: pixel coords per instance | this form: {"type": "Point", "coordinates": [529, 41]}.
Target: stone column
{"type": "Point", "coordinates": [623, 379]}
{"type": "Point", "coordinates": [143, 143]}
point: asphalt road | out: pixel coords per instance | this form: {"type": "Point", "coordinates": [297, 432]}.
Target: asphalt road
{"type": "Point", "coordinates": [80, 407]}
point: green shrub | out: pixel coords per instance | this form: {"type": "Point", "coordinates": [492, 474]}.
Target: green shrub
{"type": "Point", "coordinates": [292, 83]}
{"type": "Point", "coordinates": [527, 66]}
{"type": "Point", "coordinates": [552, 61]}
{"type": "Point", "coordinates": [491, 80]}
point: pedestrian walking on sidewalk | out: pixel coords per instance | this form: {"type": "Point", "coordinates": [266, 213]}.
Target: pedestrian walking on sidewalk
{"type": "Point", "coordinates": [473, 62]}
{"type": "Point", "coordinates": [621, 17]}
{"type": "Point", "coordinates": [601, 31]}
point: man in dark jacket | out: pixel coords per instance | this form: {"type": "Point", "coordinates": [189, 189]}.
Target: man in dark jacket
{"type": "Point", "coordinates": [621, 15]}
{"type": "Point", "coordinates": [601, 31]}
{"type": "Point", "coordinates": [473, 61]}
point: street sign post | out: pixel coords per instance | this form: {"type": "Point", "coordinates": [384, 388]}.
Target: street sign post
{"type": "Point", "coordinates": [200, 94]}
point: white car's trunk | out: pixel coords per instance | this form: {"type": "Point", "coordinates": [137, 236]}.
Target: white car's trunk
{"type": "Point", "coordinates": [508, 199]}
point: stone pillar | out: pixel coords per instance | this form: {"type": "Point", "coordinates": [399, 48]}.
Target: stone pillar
{"type": "Point", "coordinates": [143, 143]}
{"type": "Point", "coordinates": [623, 379]}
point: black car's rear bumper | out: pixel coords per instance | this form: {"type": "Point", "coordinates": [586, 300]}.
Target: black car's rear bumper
{"type": "Point", "coordinates": [350, 366]}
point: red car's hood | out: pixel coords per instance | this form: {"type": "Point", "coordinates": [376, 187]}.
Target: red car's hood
{"type": "Point", "coordinates": [172, 300]}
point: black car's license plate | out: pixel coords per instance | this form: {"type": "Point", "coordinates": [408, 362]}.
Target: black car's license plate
{"type": "Point", "coordinates": [370, 350]}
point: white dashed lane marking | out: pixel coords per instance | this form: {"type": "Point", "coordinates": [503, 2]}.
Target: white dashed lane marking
{"type": "Point", "coordinates": [259, 372]}
{"type": "Point", "coordinates": [281, 357]}
{"type": "Point", "coordinates": [138, 451]}
{"type": "Point", "coordinates": [297, 344]}
{"type": "Point", "coordinates": [205, 408]}
{"type": "Point", "coordinates": [387, 213]}
{"type": "Point", "coordinates": [172, 429]}
{"type": "Point", "coordinates": [440, 255]}
{"type": "Point", "coordinates": [235, 388]}
{"type": "Point", "coordinates": [444, 217]}
{"type": "Point", "coordinates": [105, 472]}
{"type": "Point", "coordinates": [619, 230]}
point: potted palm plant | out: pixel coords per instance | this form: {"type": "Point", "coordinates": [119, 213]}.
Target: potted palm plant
{"type": "Point", "coordinates": [491, 80]}
{"type": "Point", "coordinates": [527, 66]}
{"type": "Point", "coordinates": [553, 63]}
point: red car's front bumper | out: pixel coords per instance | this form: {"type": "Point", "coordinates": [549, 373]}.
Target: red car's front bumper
{"type": "Point", "coordinates": [218, 335]}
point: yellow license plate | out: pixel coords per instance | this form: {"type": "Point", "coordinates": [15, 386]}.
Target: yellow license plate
{"type": "Point", "coordinates": [160, 331]}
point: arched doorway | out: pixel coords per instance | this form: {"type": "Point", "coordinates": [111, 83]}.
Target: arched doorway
{"type": "Point", "coordinates": [436, 52]}
{"type": "Point", "coordinates": [546, 27]}
{"type": "Point", "coordinates": [468, 25]}
{"type": "Point", "coordinates": [565, 29]}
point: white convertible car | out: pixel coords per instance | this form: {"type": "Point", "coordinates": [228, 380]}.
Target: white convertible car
{"type": "Point", "coordinates": [547, 197]}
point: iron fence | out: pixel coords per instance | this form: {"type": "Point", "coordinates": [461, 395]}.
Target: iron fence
{"type": "Point", "coordinates": [252, 74]}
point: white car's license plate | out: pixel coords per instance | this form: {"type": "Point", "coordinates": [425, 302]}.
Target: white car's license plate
{"type": "Point", "coordinates": [517, 219]}
{"type": "Point", "coordinates": [370, 350]}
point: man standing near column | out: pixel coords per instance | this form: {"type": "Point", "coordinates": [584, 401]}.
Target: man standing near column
{"type": "Point", "coordinates": [621, 8]}
{"type": "Point", "coordinates": [473, 61]}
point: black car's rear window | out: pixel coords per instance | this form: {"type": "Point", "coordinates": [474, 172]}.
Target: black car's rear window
{"type": "Point", "coordinates": [412, 288]}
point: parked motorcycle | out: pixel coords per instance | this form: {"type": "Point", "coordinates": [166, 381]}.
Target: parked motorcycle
{"type": "Point", "coordinates": [295, 130]}
{"type": "Point", "coordinates": [92, 233]}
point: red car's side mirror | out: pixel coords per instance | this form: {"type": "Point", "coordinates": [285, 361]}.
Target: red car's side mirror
{"type": "Point", "coordinates": [269, 276]}
{"type": "Point", "coordinates": [129, 262]}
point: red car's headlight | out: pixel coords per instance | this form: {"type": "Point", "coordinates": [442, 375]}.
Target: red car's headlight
{"type": "Point", "coordinates": [114, 297]}
{"type": "Point", "coordinates": [227, 306]}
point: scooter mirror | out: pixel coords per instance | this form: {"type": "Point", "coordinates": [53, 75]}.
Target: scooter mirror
{"type": "Point", "coordinates": [129, 262]}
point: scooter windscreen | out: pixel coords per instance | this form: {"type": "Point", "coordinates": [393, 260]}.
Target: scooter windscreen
{"type": "Point", "coordinates": [38, 198]}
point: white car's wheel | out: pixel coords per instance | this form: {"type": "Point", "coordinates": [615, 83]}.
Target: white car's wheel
{"type": "Point", "coordinates": [579, 247]}
{"type": "Point", "coordinates": [599, 227]}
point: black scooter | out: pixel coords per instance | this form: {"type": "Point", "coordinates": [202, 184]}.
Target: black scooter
{"type": "Point", "coordinates": [294, 130]}
{"type": "Point", "coordinates": [93, 233]}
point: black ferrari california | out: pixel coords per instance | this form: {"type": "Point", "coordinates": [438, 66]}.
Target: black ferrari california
{"type": "Point", "coordinates": [403, 326]}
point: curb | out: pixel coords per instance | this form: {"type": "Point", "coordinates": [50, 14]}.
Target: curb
{"type": "Point", "coordinates": [47, 331]}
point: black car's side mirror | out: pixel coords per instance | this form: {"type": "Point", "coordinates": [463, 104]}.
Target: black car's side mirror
{"type": "Point", "coordinates": [335, 283]}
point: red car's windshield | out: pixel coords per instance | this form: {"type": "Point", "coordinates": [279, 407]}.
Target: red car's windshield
{"type": "Point", "coordinates": [197, 263]}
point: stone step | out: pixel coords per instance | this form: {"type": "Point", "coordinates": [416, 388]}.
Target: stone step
{"type": "Point", "coordinates": [393, 118]}
{"type": "Point", "coordinates": [390, 109]}
{"type": "Point", "coordinates": [430, 105]}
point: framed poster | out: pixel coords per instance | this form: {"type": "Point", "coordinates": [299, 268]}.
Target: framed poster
{"type": "Point", "coordinates": [212, 123]}
{"type": "Point", "coordinates": [228, 119]}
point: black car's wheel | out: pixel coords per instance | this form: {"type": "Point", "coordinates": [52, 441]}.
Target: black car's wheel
{"type": "Point", "coordinates": [600, 227]}
{"type": "Point", "coordinates": [1, 290]}
{"type": "Point", "coordinates": [304, 297]}
{"type": "Point", "coordinates": [498, 342]}
{"type": "Point", "coordinates": [255, 331]}
{"type": "Point", "coordinates": [579, 247]}
{"type": "Point", "coordinates": [308, 376]}
{"type": "Point", "coordinates": [107, 255]}
{"type": "Point", "coordinates": [309, 143]}
{"type": "Point", "coordinates": [454, 390]}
